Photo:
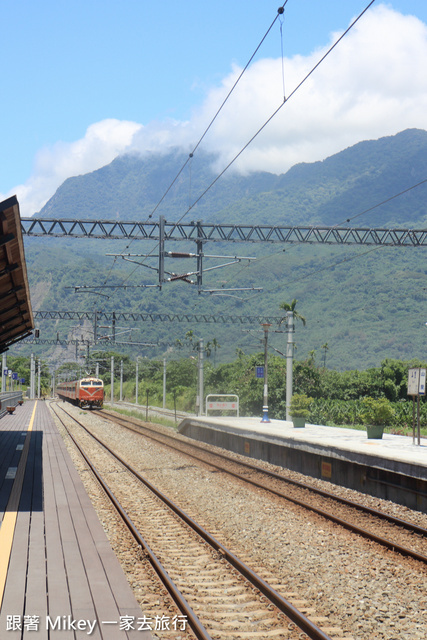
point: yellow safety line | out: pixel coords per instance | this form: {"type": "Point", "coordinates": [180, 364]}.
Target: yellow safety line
{"type": "Point", "coordinates": [7, 528]}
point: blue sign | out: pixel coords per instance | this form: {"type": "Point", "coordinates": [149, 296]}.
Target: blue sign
{"type": "Point", "coordinates": [259, 372]}
{"type": "Point", "coordinates": [14, 376]}
{"type": "Point", "coordinates": [22, 380]}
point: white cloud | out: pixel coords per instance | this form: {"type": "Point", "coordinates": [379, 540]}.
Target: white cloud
{"type": "Point", "coordinates": [103, 141]}
{"type": "Point", "coordinates": [373, 84]}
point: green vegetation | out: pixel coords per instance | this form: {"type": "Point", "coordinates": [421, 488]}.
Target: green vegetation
{"type": "Point", "coordinates": [362, 303]}
{"type": "Point", "coordinates": [337, 398]}
{"type": "Point", "coordinates": [347, 398]}
{"type": "Point", "coordinates": [140, 415]}
{"type": "Point", "coordinates": [299, 407]}
{"type": "Point", "coordinates": [21, 366]}
{"type": "Point", "coordinates": [286, 306]}
{"type": "Point", "coordinates": [377, 411]}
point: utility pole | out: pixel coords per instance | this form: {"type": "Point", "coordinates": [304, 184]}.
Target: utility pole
{"type": "Point", "coordinates": [289, 361]}
{"type": "Point", "coordinates": [32, 377]}
{"type": "Point", "coordinates": [38, 385]}
{"type": "Point", "coordinates": [265, 417]}
{"type": "Point", "coordinates": [121, 380]}
{"type": "Point", "coordinates": [164, 383]}
{"type": "Point", "coordinates": [161, 250]}
{"type": "Point", "coordinates": [112, 380]}
{"type": "Point", "coordinates": [199, 245]}
{"type": "Point", "coordinates": [3, 377]}
{"type": "Point", "coordinates": [200, 380]}
{"type": "Point", "coordinates": [136, 381]}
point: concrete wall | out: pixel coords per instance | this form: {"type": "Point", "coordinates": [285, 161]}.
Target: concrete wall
{"type": "Point", "coordinates": [401, 484]}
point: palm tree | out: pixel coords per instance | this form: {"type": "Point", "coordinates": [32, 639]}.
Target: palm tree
{"type": "Point", "coordinates": [325, 348]}
{"type": "Point", "coordinates": [216, 346]}
{"type": "Point", "coordinates": [291, 307]}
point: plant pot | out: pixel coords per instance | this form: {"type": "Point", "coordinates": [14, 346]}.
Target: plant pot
{"type": "Point", "coordinates": [298, 422]}
{"type": "Point", "coordinates": [375, 431]}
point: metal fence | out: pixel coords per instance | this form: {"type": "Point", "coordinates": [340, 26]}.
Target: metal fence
{"type": "Point", "coordinates": [9, 399]}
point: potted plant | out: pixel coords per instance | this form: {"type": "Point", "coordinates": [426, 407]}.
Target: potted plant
{"type": "Point", "coordinates": [376, 414]}
{"type": "Point", "coordinates": [299, 409]}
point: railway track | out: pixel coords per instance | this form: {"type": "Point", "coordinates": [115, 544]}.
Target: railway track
{"type": "Point", "coordinates": [219, 594]}
{"type": "Point", "coordinates": [151, 411]}
{"type": "Point", "coordinates": [395, 534]}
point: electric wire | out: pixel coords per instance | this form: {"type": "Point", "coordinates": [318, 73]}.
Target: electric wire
{"type": "Point", "coordinates": [276, 111]}
{"type": "Point", "coordinates": [191, 154]}
{"type": "Point", "coordinates": [285, 100]}
{"type": "Point", "coordinates": [279, 12]}
{"type": "Point", "coordinates": [396, 195]}
{"type": "Point", "coordinates": [346, 220]}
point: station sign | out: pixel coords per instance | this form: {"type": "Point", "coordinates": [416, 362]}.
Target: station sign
{"type": "Point", "coordinates": [222, 406]}
{"type": "Point", "coordinates": [422, 384]}
{"type": "Point", "coordinates": [417, 382]}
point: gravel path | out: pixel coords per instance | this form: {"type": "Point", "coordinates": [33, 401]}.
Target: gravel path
{"type": "Point", "coordinates": [365, 590]}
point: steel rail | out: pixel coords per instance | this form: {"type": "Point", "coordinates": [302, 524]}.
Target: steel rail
{"type": "Point", "coordinates": [410, 526]}
{"type": "Point", "coordinates": [194, 622]}
{"type": "Point", "coordinates": [344, 523]}
{"type": "Point", "coordinates": [303, 623]}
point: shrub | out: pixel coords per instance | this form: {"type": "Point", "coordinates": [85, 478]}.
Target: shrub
{"type": "Point", "coordinates": [378, 411]}
{"type": "Point", "coordinates": [300, 404]}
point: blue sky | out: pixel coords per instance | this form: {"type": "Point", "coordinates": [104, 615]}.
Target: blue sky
{"type": "Point", "coordinates": [83, 81]}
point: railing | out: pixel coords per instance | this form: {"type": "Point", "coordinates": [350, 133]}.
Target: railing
{"type": "Point", "coordinates": [9, 399]}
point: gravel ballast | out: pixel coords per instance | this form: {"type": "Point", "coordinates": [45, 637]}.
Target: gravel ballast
{"type": "Point", "coordinates": [367, 591]}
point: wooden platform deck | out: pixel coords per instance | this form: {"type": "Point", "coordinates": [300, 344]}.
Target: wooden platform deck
{"type": "Point", "coordinates": [59, 578]}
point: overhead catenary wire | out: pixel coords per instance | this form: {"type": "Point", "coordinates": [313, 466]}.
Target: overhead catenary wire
{"type": "Point", "coordinates": [346, 220]}
{"type": "Point", "coordinates": [276, 111]}
{"type": "Point", "coordinates": [191, 154]}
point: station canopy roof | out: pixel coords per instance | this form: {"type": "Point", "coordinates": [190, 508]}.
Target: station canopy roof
{"type": "Point", "coordinates": [16, 316]}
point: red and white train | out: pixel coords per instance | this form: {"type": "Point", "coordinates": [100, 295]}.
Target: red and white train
{"type": "Point", "coordinates": [85, 392]}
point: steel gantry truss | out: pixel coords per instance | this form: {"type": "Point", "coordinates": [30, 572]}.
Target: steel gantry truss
{"type": "Point", "coordinates": [205, 231]}
{"type": "Point", "coordinates": [114, 316]}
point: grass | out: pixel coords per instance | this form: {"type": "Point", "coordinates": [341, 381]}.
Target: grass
{"type": "Point", "coordinates": [133, 413]}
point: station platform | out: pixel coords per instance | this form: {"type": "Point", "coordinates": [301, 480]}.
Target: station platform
{"type": "Point", "coordinates": [392, 468]}
{"type": "Point", "coordinates": [59, 577]}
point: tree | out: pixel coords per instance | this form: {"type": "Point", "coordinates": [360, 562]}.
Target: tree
{"type": "Point", "coordinates": [291, 307]}
{"type": "Point", "coordinates": [325, 348]}
{"type": "Point", "coordinates": [216, 346]}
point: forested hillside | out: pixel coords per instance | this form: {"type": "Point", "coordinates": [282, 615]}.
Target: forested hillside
{"type": "Point", "coordinates": [365, 303]}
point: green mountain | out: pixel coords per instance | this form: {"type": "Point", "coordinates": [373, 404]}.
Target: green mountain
{"type": "Point", "coordinates": [366, 303]}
